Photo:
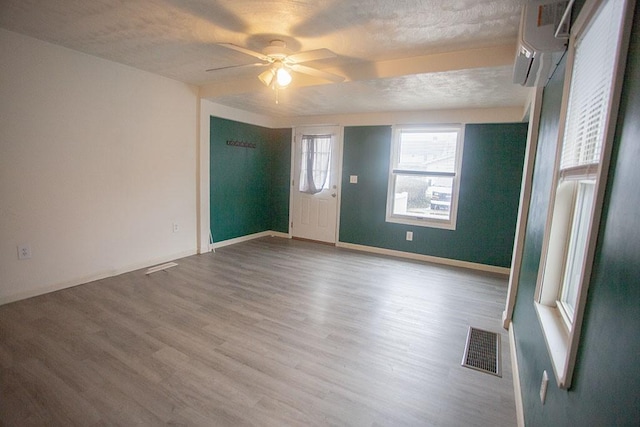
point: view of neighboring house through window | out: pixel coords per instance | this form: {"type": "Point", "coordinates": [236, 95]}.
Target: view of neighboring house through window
{"type": "Point", "coordinates": [424, 176]}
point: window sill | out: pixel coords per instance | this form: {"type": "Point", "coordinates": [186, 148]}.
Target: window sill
{"type": "Point", "coordinates": [426, 222]}
{"type": "Point", "coordinates": [557, 339]}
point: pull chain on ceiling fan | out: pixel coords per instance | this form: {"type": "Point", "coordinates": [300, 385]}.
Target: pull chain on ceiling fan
{"type": "Point", "coordinates": [281, 62]}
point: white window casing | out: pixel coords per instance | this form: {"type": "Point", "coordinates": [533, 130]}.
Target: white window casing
{"type": "Point", "coordinates": [595, 63]}
{"type": "Point", "coordinates": [427, 159]}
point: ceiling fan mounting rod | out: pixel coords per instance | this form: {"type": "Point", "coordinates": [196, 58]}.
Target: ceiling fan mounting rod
{"type": "Point", "coordinates": [277, 49]}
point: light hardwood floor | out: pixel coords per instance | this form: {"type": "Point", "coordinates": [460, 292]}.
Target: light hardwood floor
{"type": "Point", "coordinates": [270, 332]}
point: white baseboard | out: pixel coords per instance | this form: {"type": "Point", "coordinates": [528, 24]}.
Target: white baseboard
{"type": "Point", "coordinates": [6, 299]}
{"type": "Point", "coordinates": [372, 249]}
{"type": "Point", "coordinates": [517, 389]}
{"type": "Point", "coordinates": [247, 238]}
{"type": "Point", "coordinates": [426, 258]}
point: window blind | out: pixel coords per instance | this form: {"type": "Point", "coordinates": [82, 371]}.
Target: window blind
{"type": "Point", "coordinates": [591, 85]}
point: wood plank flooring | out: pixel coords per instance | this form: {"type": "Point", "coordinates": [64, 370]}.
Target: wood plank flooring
{"type": "Point", "coordinates": [271, 332]}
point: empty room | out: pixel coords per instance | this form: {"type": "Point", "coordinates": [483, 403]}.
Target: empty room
{"type": "Point", "coordinates": [309, 213]}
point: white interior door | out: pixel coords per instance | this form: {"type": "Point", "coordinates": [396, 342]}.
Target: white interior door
{"type": "Point", "coordinates": [315, 183]}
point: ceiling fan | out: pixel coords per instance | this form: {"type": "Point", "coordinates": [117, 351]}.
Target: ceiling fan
{"type": "Point", "coordinates": [282, 61]}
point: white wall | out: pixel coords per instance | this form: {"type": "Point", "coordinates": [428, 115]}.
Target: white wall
{"type": "Point", "coordinates": [97, 161]}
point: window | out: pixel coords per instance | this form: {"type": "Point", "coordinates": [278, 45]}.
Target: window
{"type": "Point", "coordinates": [590, 107]}
{"type": "Point", "coordinates": [584, 191]}
{"type": "Point", "coordinates": [424, 176]}
{"type": "Point", "coordinates": [315, 163]}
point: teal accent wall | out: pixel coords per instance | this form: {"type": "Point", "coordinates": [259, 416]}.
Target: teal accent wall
{"type": "Point", "coordinates": [606, 384]}
{"type": "Point", "coordinates": [362, 207]}
{"type": "Point", "coordinates": [249, 190]}
{"type": "Point", "coordinates": [280, 164]}
{"type": "Point", "coordinates": [491, 175]}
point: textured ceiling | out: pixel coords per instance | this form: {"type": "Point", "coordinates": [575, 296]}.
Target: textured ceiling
{"type": "Point", "coordinates": [176, 39]}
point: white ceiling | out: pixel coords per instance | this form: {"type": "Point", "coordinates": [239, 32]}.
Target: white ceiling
{"type": "Point", "coordinates": [396, 55]}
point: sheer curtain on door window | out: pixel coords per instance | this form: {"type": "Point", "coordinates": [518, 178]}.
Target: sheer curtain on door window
{"type": "Point", "coordinates": [314, 162]}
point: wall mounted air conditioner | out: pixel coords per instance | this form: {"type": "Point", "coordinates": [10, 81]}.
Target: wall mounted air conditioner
{"type": "Point", "coordinates": [544, 30]}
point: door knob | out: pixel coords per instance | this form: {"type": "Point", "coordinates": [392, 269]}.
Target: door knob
{"type": "Point", "coordinates": [333, 195]}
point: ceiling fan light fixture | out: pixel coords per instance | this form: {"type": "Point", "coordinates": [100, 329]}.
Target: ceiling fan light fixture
{"type": "Point", "coordinates": [281, 62]}
{"type": "Point", "coordinates": [283, 77]}
{"type": "Point", "coordinates": [276, 77]}
{"type": "Point", "coordinates": [267, 77]}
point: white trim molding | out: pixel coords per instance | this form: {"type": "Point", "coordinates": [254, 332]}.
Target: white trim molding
{"type": "Point", "coordinates": [372, 249]}
{"type": "Point", "coordinates": [36, 291]}
{"type": "Point", "coordinates": [426, 258]}
{"type": "Point", "coordinates": [523, 207]}
{"type": "Point", "coordinates": [515, 371]}
{"type": "Point", "coordinates": [247, 238]}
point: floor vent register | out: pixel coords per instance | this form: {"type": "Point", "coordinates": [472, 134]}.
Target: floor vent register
{"type": "Point", "coordinates": [482, 351]}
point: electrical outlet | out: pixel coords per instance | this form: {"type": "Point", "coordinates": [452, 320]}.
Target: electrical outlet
{"type": "Point", "coordinates": [176, 227]}
{"type": "Point", "coordinates": [543, 386]}
{"type": "Point", "coordinates": [409, 235]}
{"type": "Point", "coordinates": [24, 251]}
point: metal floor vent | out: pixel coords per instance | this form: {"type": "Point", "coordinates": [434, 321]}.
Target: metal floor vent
{"type": "Point", "coordinates": [482, 351]}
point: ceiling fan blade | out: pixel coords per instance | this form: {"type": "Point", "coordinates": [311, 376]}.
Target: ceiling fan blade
{"type": "Point", "coordinates": [310, 55]}
{"type": "Point", "coordinates": [255, 64]}
{"type": "Point", "coordinates": [246, 51]}
{"type": "Point", "coordinates": [317, 73]}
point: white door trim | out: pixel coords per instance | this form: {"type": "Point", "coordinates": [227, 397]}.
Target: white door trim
{"type": "Point", "coordinates": [339, 132]}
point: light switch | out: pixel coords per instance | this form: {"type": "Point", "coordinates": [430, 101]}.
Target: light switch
{"type": "Point", "coordinates": [353, 179]}
{"type": "Point", "coordinates": [543, 386]}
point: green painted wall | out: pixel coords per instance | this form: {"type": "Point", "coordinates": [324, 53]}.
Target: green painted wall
{"type": "Point", "coordinates": [249, 190]}
{"type": "Point", "coordinates": [280, 164]}
{"type": "Point", "coordinates": [606, 381]}
{"type": "Point", "coordinates": [488, 204]}
{"type": "Point", "coordinates": [362, 206]}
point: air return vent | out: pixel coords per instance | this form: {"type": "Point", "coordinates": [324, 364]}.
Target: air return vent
{"type": "Point", "coordinates": [482, 351]}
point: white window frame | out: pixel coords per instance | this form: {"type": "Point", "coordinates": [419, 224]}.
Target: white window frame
{"type": "Point", "coordinates": [560, 327]}
{"type": "Point", "coordinates": [448, 224]}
